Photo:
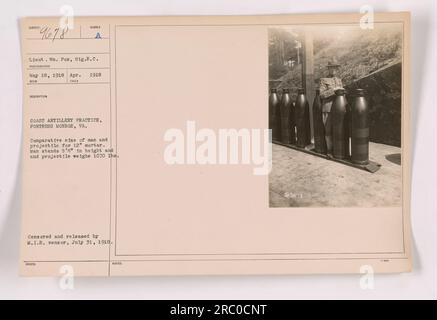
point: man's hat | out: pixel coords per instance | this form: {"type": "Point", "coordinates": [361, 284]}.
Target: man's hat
{"type": "Point", "coordinates": [333, 63]}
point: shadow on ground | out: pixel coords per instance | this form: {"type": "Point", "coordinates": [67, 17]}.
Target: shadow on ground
{"type": "Point", "coordinates": [394, 158]}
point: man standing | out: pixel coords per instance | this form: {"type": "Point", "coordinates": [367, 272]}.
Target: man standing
{"type": "Point", "coordinates": [328, 86]}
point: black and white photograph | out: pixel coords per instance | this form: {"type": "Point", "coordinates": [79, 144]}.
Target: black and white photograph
{"type": "Point", "coordinates": [335, 111]}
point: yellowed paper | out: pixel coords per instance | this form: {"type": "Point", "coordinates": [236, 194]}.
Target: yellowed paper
{"type": "Point", "coordinates": [107, 191]}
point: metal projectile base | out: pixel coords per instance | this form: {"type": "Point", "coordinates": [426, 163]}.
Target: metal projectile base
{"type": "Point", "coordinates": [371, 167]}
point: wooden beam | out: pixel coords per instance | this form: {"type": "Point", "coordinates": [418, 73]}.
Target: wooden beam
{"type": "Point", "coordinates": [308, 73]}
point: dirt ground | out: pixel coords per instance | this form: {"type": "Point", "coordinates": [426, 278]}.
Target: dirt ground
{"type": "Point", "coordinates": [299, 179]}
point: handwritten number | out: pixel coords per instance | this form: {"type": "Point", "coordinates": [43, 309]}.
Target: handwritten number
{"type": "Point", "coordinates": [47, 33]}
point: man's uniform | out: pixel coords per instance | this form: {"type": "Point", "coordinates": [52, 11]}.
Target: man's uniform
{"type": "Point", "coordinates": [327, 95]}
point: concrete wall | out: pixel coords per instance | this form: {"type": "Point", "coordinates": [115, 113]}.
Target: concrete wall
{"type": "Point", "coordinates": [383, 92]}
